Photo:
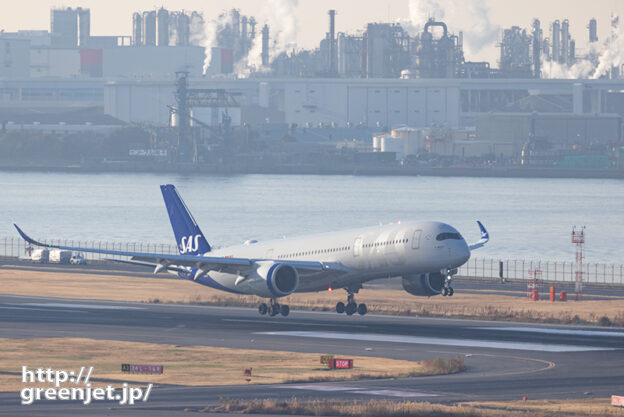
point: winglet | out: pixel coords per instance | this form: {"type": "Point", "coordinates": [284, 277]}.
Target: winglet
{"type": "Point", "coordinates": [485, 237]}
{"type": "Point", "coordinates": [484, 232]}
{"type": "Point", "coordinates": [29, 239]}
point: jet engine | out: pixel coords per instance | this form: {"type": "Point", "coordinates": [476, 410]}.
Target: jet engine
{"type": "Point", "coordinates": [424, 284]}
{"type": "Point", "coordinates": [281, 279]}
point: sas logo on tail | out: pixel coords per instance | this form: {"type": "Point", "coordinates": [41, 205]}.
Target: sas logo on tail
{"type": "Point", "coordinates": [189, 243]}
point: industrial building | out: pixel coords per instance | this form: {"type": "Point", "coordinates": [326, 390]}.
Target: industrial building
{"type": "Point", "coordinates": [379, 82]}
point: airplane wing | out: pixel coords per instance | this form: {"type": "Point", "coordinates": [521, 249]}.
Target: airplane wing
{"type": "Point", "coordinates": [485, 237]}
{"type": "Point", "coordinates": [203, 264]}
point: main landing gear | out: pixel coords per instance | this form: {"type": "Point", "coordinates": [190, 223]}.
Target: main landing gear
{"type": "Point", "coordinates": [351, 307]}
{"type": "Point", "coordinates": [273, 309]}
{"type": "Point", "coordinates": [447, 289]}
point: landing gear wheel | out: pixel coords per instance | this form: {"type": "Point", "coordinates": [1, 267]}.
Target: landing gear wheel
{"type": "Point", "coordinates": [361, 309]}
{"type": "Point", "coordinates": [274, 310]}
{"type": "Point", "coordinates": [262, 309]}
{"type": "Point", "coordinates": [351, 308]}
{"type": "Point", "coordinates": [284, 310]}
{"type": "Point", "coordinates": [445, 291]}
{"type": "Point", "coordinates": [450, 291]}
{"type": "Point", "coordinates": [340, 307]}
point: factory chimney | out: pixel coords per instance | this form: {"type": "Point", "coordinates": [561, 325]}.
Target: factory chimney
{"type": "Point", "coordinates": [332, 41]}
{"type": "Point", "coordinates": [593, 31]}
{"type": "Point", "coordinates": [137, 26]}
{"type": "Point", "coordinates": [163, 27]}
{"type": "Point", "coordinates": [556, 42]}
{"type": "Point", "coordinates": [84, 26]}
{"type": "Point", "coordinates": [565, 42]}
{"type": "Point", "coordinates": [537, 49]}
{"type": "Point", "coordinates": [265, 46]}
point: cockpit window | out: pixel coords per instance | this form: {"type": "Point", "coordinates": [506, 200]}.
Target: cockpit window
{"type": "Point", "coordinates": [447, 235]}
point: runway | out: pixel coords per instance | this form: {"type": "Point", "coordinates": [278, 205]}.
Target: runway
{"type": "Point", "coordinates": [504, 360]}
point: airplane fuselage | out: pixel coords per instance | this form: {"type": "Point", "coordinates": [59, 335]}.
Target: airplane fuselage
{"type": "Point", "coordinates": [397, 249]}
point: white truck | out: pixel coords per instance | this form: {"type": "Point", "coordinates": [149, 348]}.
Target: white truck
{"type": "Point", "coordinates": [40, 256]}
{"type": "Point", "coordinates": [58, 256]}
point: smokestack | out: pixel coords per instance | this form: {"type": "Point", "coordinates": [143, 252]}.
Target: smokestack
{"type": "Point", "coordinates": [332, 41]}
{"type": "Point", "coordinates": [565, 42]}
{"type": "Point", "coordinates": [163, 27]}
{"type": "Point", "coordinates": [252, 26]}
{"type": "Point", "coordinates": [137, 26]}
{"type": "Point", "coordinates": [244, 36]}
{"type": "Point", "coordinates": [556, 42]}
{"type": "Point", "coordinates": [537, 49]}
{"type": "Point", "coordinates": [593, 31]}
{"type": "Point", "coordinates": [265, 46]}
{"type": "Point", "coordinates": [84, 26]}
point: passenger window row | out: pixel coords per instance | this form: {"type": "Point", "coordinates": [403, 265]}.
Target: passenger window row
{"type": "Point", "coordinates": [386, 243]}
{"type": "Point", "coordinates": [314, 252]}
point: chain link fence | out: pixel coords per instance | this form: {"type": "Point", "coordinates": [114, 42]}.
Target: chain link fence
{"type": "Point", "coordinates": [475, 268]}
{"type": "Point", "coordinates": [17, 248]}
{"type": "Point", "coordinates": [518, 270]}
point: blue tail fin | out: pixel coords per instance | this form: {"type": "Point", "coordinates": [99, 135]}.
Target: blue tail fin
{"type": "Point", "coordinates": [190, 239]}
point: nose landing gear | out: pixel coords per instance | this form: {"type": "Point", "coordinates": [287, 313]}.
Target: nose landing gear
{"type": "Point", "coordinates": [447, 289]}
{"type": "Point", "coordinates": [273, 309]}
{"type": "Point", "coordinates": [351, 307]}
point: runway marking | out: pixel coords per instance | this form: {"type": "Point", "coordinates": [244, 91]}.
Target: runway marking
{"type": "Point", "coordinates": [303, 323]}
{"type": "Point", "coordinates": [358, 390]}
{"type": "Point", "coordinates": [34, 308]}
{"type": "Point", "coordinates": [392, 393]}
{"type": "Point", "coordinates": [94, 306]}
{"type": "Point", "coordinates": [573, 332]}
{"type": "Point", "coordinates": [540, 347]}
{"type": "Point", "coordinates": [319, 387]}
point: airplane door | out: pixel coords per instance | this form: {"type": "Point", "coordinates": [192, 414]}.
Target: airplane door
{"type": "Point", "coordinates": [357, 246]}
{"type": "Point", "coordinates": [416, 239]}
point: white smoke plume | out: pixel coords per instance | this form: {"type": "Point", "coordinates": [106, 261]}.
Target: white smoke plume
{"type": "Point", "coordinates": [482, 33]}
{"type": "Point", "coordinates": [580, 69]}
{"type": "Point", "coordinates": [281, 18]}
{"type": "Point", "coordinates": [602, 58]}
{"type": "Point", "coordinates": [613, 51]}
{"type": "Point", "coordinates": [210, 31]}
{"type": "Point", "coordinates": [471, 16]}
{"type": "Point", "coordinates": [419, 12]}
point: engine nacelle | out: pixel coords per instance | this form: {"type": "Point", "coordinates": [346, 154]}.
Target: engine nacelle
{"type": "Point", "coordinates": [281, 279]}
{"type": "Point", "coordinates": [424, 284]}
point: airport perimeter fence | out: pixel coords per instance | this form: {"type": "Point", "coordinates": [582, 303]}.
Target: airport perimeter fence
{"type": "Point", "coordinates": [17, 248]}
{"type": "Point", "coordinates": [475, 268]}
{"type": "Point", "coordinates": [552, 271]}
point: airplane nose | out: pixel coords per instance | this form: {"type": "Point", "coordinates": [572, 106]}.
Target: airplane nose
{"type": "Point", "coordinates": [461, 253]}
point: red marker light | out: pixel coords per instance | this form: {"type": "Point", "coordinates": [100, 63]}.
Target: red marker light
{"type": "Point", "coordinates": [329, 289]}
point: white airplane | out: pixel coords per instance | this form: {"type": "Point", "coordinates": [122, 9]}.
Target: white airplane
{"type": "Point", "coordinates": [425, 254]}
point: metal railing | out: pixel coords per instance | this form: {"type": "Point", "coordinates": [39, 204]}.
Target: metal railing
{"type": "Point", "coordinates": [17, 248]}
{"type": "Point", "coordinates": [554, 271]}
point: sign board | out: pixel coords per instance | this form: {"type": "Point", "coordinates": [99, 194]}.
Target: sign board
{"type": "Point", "coordinates": [147, 152]}
{"type": "Point", "coordinates": [617, 400]}
{"type": "Point", "coordinates": [343, 363]}
{"type": "Point", "coordinates": [141, 369]}
{"type": "Point", "coordinates": [326, 358]}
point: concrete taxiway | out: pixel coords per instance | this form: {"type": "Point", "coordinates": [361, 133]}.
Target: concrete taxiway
{"type": "Point", "coordinates": [504, 360]}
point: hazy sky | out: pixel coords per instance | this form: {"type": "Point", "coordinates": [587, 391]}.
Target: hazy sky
{"type": "Point", "coordinates": [113, 17]}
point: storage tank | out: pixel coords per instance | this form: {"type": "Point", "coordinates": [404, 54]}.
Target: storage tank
{"type": "Point", "coordinates": [390, 144]}
{"type": "Point", "coordinates": [411, 139]}
{"type": "Point", "coordinates": [377, 142]}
